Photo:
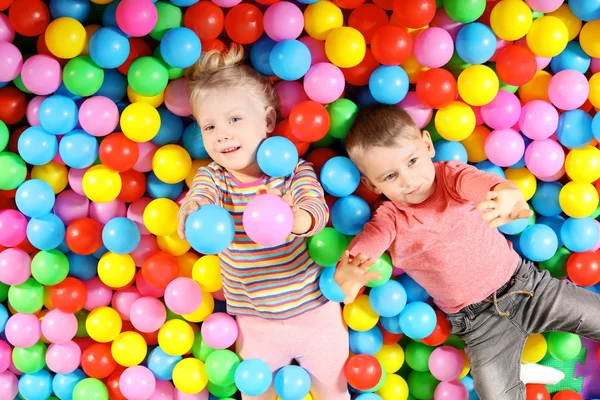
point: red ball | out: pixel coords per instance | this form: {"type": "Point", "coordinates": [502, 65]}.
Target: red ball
{"type": "Point", "coordinates": [363, 371]}
{"type": "Point", "coordinates": [29, 17]}
{"type": "Point", "coordinates": [348, 4]}
{"type": "Point", "coordinates": [515, 65]}
{"type": "Point", "coordinates": [112, 384]}
{"type": "Point", "coordinates": [97, 361]}
{"type": "Point", "coordinates": [359, 75]}
{"type": "Point", "coordinates": [69, 295]}
{"type": "Point", "coordinates": [366, 194]}
{"type": "Point", "coordinates": [118, 152]}
{"type": "Point", "coordinates": [244, 23]}
{"type": "Point", "coordinates": [4, 4]}
{"type": "Point", "coordinates": [309, 121]}
{"type": "Point", "coordinates": [283, 129]}
{"type": "Point", "coordinates": [206, 19]}
{"type": "Point", "coordinates": [436, 88]}
{"type": "Point", "coordinates": [414, 13]}
{"type": "Point", "coordinates": [214, 44]}
{"type": "Point", "coordinates": [584, 268]}
{"type": "Point", "coordinates": [137, 48]}
{"type": "Point", "coordinates": [440, 333]}
{"type": "Point", "coordinates": [319, 156]}
{"type": "Point", "coordinates": [567, 395]}
{"type": "Point", "coordinates": [366, 19]}
{"type": "Point", "coordinates": [13, 105]}
{"type": "Point", "coordinates": [388, 337]}
{"type": "Point", "coordinates": [391, 45]}
{"type": "Point", "coordinates": [84, 236]}
{"type": "Point", "coordinates": [536, 392]}
{"type": "Point", "coordinates": [160, 269]}
{"type": "Point", "coordinates": [133, 186]}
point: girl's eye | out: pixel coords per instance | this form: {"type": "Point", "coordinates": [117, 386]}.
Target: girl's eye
{"type": "Point", "coordinates": [208, 128]}
{"type": "Point", "coordinates": [412, 161]}
{"type": "Point", "coordinates": [233, 120]}
{"type": "Point", "coordinates": [390, 177]}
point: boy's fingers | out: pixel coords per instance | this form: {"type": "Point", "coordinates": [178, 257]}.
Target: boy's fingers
{"type": "Point", "coordinates": [367, 264]}
{"type": "Point", "coordinates": [371, 276]}
{"type": "Point", "coordinates": [359, 259]}
{"type": "Point", "coordinates": [486, 205]}
{"type": "Point", "coordinates": [492, 195]}
{"type": "Point", "coordinates": [490, 215]}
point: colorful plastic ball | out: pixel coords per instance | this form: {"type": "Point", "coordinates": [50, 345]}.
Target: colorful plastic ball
{"type": "Point", "coordinates": [363, 371]}
{"type": "Point", "coordinates": [389, 84]}
{"type": "Point", "coordinates": [136, 17]}
{"type": "Point", "coordinates": [587, 38]}
{"type": "Point", "coordinates": [206, 19]}
{"type": "Point", "coordinates": [417, 320]}
{"type": "Point", "coordinates": [120, 235]}
{"type": "Point", "coordinates": [283, 20]}
{"type": "Point", "coordinates": [78, 10]}
{"type": "Point", "coordinates": [538, 242]}
{"type": "Point", "coordinates": [563, 345]}
{"type": "Point", "coordinates": [511, 19]}
{"type": "Point", "coordinates": [78, 149]}
{"type": "Point", "coordinates": [582, 165]}
{"type": "Point", "coordinates": [579, 234]}
{"type": "Point", "coordinates": [189, 376]}
{"type": "Point", "coordinates": [292, 381]}
{"type": "Point", "coordinates": [45, 232]}
{"type": "Point", "coordinates": [15, 266]}
{"type": "Point", "coordinates": [253, 377]}
{"type": "Point", "coordinates": [504, 147]}
{"type": "Point", "coordinates": [433, 47]}
{"type": "Point", "coordinates": [108, 47]}
{"type": "Point", "coordinates": [414, 13]}
{"type": "Point", "coordinates": [446, 150]}
{"type": "Point", "coordinates": [82, 76]}
{"type": "Point", "coordinates": [69, 295]}
{"type": "Point", "coordinates": [244, 23]}
{"type": "Point", "coordinates": [260, 53]}
{"type": "Point", "coordinates": [388, 299]}
{"type": "Point", "coordinates": [574, 129]}
{"type": "Point", "coordinates": [545, 200]}
{"type": "Point", "coordinates": [58, 114]}
{"type": "Point", "coordinates": [103, 324]}
{"type": "Point", "coordinates": [11, 61]}
{"type": "Point", "coordinates": [446, 363]}
{"type": "Point", "coordinates": [345, 47]}
{"type": "Point", "coordinates": [90, 388]}
{"type": "Point", "coordinates": [547, 37]}
{"type": "Point", "coordinates": [101, 184]}
{"type": "Point", "coordinates": [568, 89]}
{"type": "Point", "coordinates": [475, 43]}
{"type": "Point", "coordinates": [36, 385]}
{"type": "Point", "coordinates": [148, 76]}
{"type": "Point", "coordinates": [583, 268]}
{"type": "Point", "coordinates": [268, 220]}
{"type": "Point", "coordinates": [324, 83]}
{"type": "Point", "coordinates": [171, 163]}
{"type": "Point", "coordinates": [63, 384]}
{"type": "Point", "coordinates": [572, 57]}
{"type": "Point", "coordinates": [210, 230]}
{"type": "Point", "coordinates": [391, 45]}
{"type": "Point", "coordinates": [538, 119]}
{"type": "Point", "coordinates": [464, 12]}
{"type": "Point", "coordinates": [183, 295]}
{"type": "Point", "coordinates": [478, 85]}
{"type": "Point", "coordinates": [140, 122]}
{"type": "Point", "coordinates": [290, 59]}
{"type": "Point", "coordinates": [455, 121]}
{"type": "Point", "coordinates": [340, 177]}
{"type": "Point", "coordinates": [349, 214]}
{"type": "Point", "coordinates": [544, 158]}
{"type": "Point", "coordinates": [515, 65]}
{"type": "Point", "coordinates": [277, 157]}
{"type": "Point", "coordinates": [14, 225]}
{"type": "Point", "coordinates": [322, 17]}
{"type": "Point", "coordinates": [22, 330]}
{"type": "Point", "coordinates": [65, 37]}
{"type": "Point", "coordinates": [49, 267]}
{"type": "Point", "coordinates": [180, 47]}
{"type": "Point", "coordinates": [34, 198]}
{"type": "Point", "coordinates": [129, 349]}
{"type": "Point", "coordinates": [176, 338]}
{"type": "Point", "coordinates": [436, 88]}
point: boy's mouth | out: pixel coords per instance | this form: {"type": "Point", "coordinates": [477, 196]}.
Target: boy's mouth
{"type": "Point", "coordinates": [415, 190]}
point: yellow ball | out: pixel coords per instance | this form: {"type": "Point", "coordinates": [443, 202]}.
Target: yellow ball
{"type": "Point", "coordinates": [391, 356]}
{"type": "Point", "coordinates": [171, 163]}
{"type": "Point", "coordinates": [116, 270]}
{"type": "Point", "coordinates": [413, 69]}
{"type": "Point", "coordinates": [176, 337]}
{"type": "Point", "coordinates": [589, 38]}
{"type": "Point", "coordinates": [207, 272]}
{"type": "Point", "coordinates": [594, 95]}
{"type": "Point", "coordinates": [160, 217]}
{"type": "Point", "coordinates": [467, 367]}
{"type": "Point", "coordinates": [173, 244]}
{"type": "Point", "coordinates": [186, 264]}
{"type": "Point", "coordinates": [189, 376]}
{"type": "Point", "coordinates": [583, 165]}
{"type": "Point", "coordinates": [535, 348]}
{"type": "Point", "coordinates": [196, 164]}
{"type": "Point", "coordinates": [307, 397]}
{"type": "Point", "coordinates": [321, 17]}
{"type": "Point", "coordinates": [103, 324]}
{"type": "Point", "coordinates": [345, 47]}
{"type": "Point", "coordinates": [204, 310]}
{"type": "Point", "coordinates": [524, 179]}
{"type": "Point", "coordinates": [394, 388]}
{"type": "Point", "coordinates": [511, 19]}
{"type": "Point", "coordinates": [359, 315]}
{"type": "Point", "coordinates": [536, 88]}
{"type": "Point", "coordinates": [474, 144]}
{"type": "Point", "coordinates": [101, 1]}
{"type": "Point", "coordinates": [572, 23]}
{"type": "Point", "coordinates": [65, 37]}
{"type": "Point", "coordinates": [129, 349]}
{"type": "Point", "coordinates": [140, 122]}
{"type": "Point", "coordinates": [154, 101]}
{"type": "Point", "coordinates": [89, 31]}
{"type": "Point", "coordinates": [101, 184]}
{"type": "Point", "coordinates": [548, 36]}
{"type": "Point", "coordinates": [455, 122]}
{"type": "Point", "coordinates": [54, 174]}
{"type": "Point", "coordinates": [478, 85]}
{"type": "Point", "coordinates": [578, 200]}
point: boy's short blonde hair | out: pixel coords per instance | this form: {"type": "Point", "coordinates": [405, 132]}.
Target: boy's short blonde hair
{"type": "Point", "coordinates": [380, 126]}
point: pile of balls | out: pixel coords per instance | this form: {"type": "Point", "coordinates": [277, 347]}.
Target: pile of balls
{"type": "Point", "coordinates": [100, 298]}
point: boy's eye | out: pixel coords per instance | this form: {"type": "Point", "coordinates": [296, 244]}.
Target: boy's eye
{"type": "Point", "coordinates": [233, 120]}
{"type": "Point", "coordinates": [391, 176]}
{"type": "Point", "coordinates": [412, 161]}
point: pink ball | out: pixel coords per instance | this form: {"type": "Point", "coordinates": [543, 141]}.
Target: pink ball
{"type": "Point", "coordinates": [446, 363]}
{"type": "Point", "coordinates": [268, 220]}
{"type": "Point", "coordinates": [226, 3]}
{"type": "Point", "coordinates": [9, 384]}
{"type": "Point", "coordinates": [568, 89]}
{"type": "Point", "coordinates": [544, 6]}
{"type": "Point", "coordinates": [135, 212]}
{"type": "Point", "coordinates": [283, 20]}
{"type": "Point", "coordinates": [136, 17]}
{"type": "Point", "coordinates": [176, 98]}
{"type": "Point", "coordinates": [147, 314]}
{"type": "Point", "coordinates": [5, 356]}
{"type": "Point", "coordinates": [98, 116]}
{"type": "Point", "coordinates": [137, 383]}
{"type": "Point", "coordinates": [23, 330]}
{"type": "Point", "coordinates": [478, 117]}
{"type": "Point", "coordinates": [538, 120]}
{"type": "Point", "coordinates": [98, 294]}
{"type": "Point", "coordinates": [75, 177]}
{"type": "Point", "coordinates": [183, 295]}
{"type": "Point", "coordinates": [502, 112]}
{"type": "Point", "coordinates": [15, 266]}
{"type": "Point", "coordinates": [11, 61]}
{"type": "Point", "coordinates": [7, 33]}
{"type": "Point", "coordinates": [32, 111]}
{"type": "Point", "coordinates": [146, 152]}
{"type": "Point", "coordinates": [442, 20]}
{"type": "Point", "coordinates": [419, 112]}
{"type": "Point", "coordinates": [433, 47]}
{"type": "Point", "coordinates": [324, 83]}
{"type": "Point", "coordinates": [41, 74]}
{"type": "Point", "coordinates": [123, 299]}
{"type": "Point", "coordinates": [544, 157]}
{"type": "Point", "coordinates": [70, 206]}
{"type": "Point", "coordinates": [596, 246]}
{"type": "Point", "coordinates": [203, 395]}
{"type": "Point", "coordinates": [63, 358]}
{"type": "Point", "coordinates": [104, 212]}
{"type": "Point", "coordinates": [146, 289]}
{"type": "Point", "coordinates": [164, 391]}
{"type": "Point", "coordinates": [13, 228]}
{"type": "Point", "coordinates": [219, 330]}
{"type": "Point", "coordinates": [290, 93]}
{"type": "Point", "coordinates": [504, 147]}
{"type": "Point", "coordinates": [219, 295]}
{"type": "Point", "coordinates": [316, 48]}
{"type": "Point", "coordinates": [452, 390]}
{"type": "Point", "coordinates": [147, 246]}
{"type": "Point", "coordinates": [554, 177]}
{"type": "Point", "coordinates": [59, 327]}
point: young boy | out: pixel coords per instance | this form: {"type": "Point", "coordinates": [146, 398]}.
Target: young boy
{"type": "Point", "coordinates": [439, 225]}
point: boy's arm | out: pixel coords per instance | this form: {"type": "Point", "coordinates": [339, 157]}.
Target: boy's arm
{"type": "Point", "coordinates": [203, 190]}
{"type": "Point", "coordinates": [307, 196]}
{"type": "Point", "coordinates": [470, 183]}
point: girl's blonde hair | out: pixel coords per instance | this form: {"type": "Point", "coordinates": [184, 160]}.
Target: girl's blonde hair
{"type": "Point", "coordinates": [215, 69]}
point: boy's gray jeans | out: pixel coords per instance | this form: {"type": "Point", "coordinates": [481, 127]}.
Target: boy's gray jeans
{"type": "Point", "coordinates": [495, 331]}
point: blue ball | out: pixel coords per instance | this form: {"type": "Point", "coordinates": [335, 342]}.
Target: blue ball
{"type": "Point", "coordinates": [78, 149]}
{"type": "Point", "coordinates": [37, 146]}
{"type": "Point", "coordinates": [292, 382]}
{"type": "Point", "coordinates": [572, 57]}
{"type": "Point", "coordinates": [574, 129]}
{"type": "Point", "coordinates": [330, 289]}
{"type": "Point", "coordinates": [475, 43]}
{"type": "Point", "coordinates": [277, 156]}
{"type": "Point", "coordinates": [157, 188]}
{"type": "Point", "coordinates": [260, 53]}
{"type": "Point", "coordinates": [35, 198]}
{"type": "Point", "coordinates": [209, 230]}
{"type": "Point", "coordinates": [45, 232]}
{"type": "Point", "coordinates": [417, 320]}
{"type": "Point", "coordinates": [63, 91]}
{"type": "Point", "coordinates": [350, 214]}
{"type": "Point", "coordinates": [514, 227]}
{"type": "Point", "coordinates": [514, 240]}
{"type": "Point", "coordinates": [414, 291]}
{"type": "Point", "coordinates": [520, 163]}
{"type": "Point", "coordinates": [109, 15]}
{"type": "Point", "coordinates": [538, 242]}
{"type": "Point", "coordinates": [58, 114]}
{"type": "Point", "coordinates": [36, 386]}
{"type": "Point", "coordinates": [290, 59]}
{"type": "Point", "coordinates": [102, 251]}
{"type": "Point", "coordinates": [585, 10]}
{"type": "Point", "coordinates": [253, 377]}
{"type": "Point", "coordinates": [555, 223]}
{"type": "Point", "coordinates": [388, 299]}
{"type": "Point", "coordinates": [545, 199]}
{"type": "Point", "coordinates": [596, 126]}
{"type": "Point", "coordinates": [162, 364]}
{"type": "Point", "coordinates": [391, 324]}
{"type": "Point", "coordinates": [470, 385]}
{"type": "Point", "coordinates": [180, 47]}
{"type": "Point", "coordinates": [114, 85]}
{"type": "Point", "coordinates": [184, 3]}
{"type": "Point", "coordinates": [491, 168]}
{"type": "Point", "coordinates": [63, 384]}
{"type": "Point", "coordinates": [340, 177]}
{"type": "Point", "coordinates": [446, 150]}
{"type": "Point", "coordinates": [109, 47]}
{"type": "Point", "coordinates": [3, 317]}
{"type": "Point", "coordinates": [366, 342]}
{"type": "Point", "coordinates": [192, 141]}
{"type": "Point", "coordinates": [121, 235]}
{"type": "Point", "coordinates": [368, 396]}
{"type": "Point", "coordinates": [76, 9]}
{"type": "Point", "coordinates": [579, 234]}
{"type": "Point", "coordinates": [389, 84]}
{"type": "Point", "coordinates": [81, 267]}
{"type": "Point", "coordinates": [171, 128]}
{"type": "Point", "coordinates": [364, 98]}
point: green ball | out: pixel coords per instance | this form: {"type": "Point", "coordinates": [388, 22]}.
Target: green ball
{"type": "Point", "coordinates": [200, 349]}
{"type": "Point", "coordinates": [454, 342]}
{"type": "Point", "coordinates": [557, 265]}
{"type": "Point", "coordinates": [596, 213]}
{"type": "Point", "coordinates": [380, 383]}
{"type": "Point", "coordinates": [169, 17]}
{"type": "Point", "coordinates": [221, 391]}
{"type": "Point", "coordinates": [422, 385]}
{"type": "Point", "coordinates": [50, 267]}
{"type": "Point", "coordinates": [174, 73]}
{"type": "Point", "coordinates": [148, 76]}
{"type": "Point", "coordinates": [563, 346]}
{"type": "Point", "coordinates": [90, 389]}
{"type": "Point", "coordinates": [435, 136]}
{"type": "Point", "coordinates": [384, 267]}
{"type": "Point", "coordinates": [325, 141]}
{"type": "Point", "coordinates": [327, 246]}
{"type": "Point", "coordinates": [221, 366]}
{"type": "Point", "coordinates": [82, 76]}
{"type": "Point", "coordinates": [3, 292]}
{"type": "Point", "coordinates": [342, 114]}
{"type": "Point", "coordinates": [14, 171]}
{"type": "Point", "coordinates": [81, 316]}
{"type": "Point", "coordinates": [31, 359]}
{"type": "Point", "coordinates": [4, 136]}
{"type": "Point", "coordinates": [464, 11]}
{"type": "Point", "coordinates": [26, 298]}
{"type": "Point", "coordinates": [20, 85]}
{"type": "Point", "coordinates": [456, 65]}
{"type": "Point", "coordinates": [417, 356]}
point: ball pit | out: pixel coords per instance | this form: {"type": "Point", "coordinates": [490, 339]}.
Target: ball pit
{"type": "Point", "coordinates": [99, 297]}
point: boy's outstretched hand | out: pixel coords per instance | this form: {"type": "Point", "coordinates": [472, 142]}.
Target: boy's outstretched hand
{"type": "Point", "coordinates": [351, 274]}
{"type": "Point", "coordinates": [183, 216]}
{"type": "Point", "coordinates": [504, 205]}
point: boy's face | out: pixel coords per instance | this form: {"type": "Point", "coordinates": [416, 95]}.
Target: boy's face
{"type": "Point", "coordinates": [404, 172]}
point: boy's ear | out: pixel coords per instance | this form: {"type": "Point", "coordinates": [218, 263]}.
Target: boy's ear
{"type": "Point", "coordinates": [428, 143]}
{"type": "Point", "coordinates": [271, 119]}
{"type": "Point", "coordinates": [369, 185]}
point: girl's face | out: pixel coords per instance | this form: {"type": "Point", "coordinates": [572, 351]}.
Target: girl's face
{"type": "Point", "coordinates": [233, 124]}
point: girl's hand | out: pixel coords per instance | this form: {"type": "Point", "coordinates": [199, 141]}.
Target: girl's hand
{"type": "Point", "coordinates": [303, 220]}
{"type": "Point", "coordinates": [504, 206]}
{"type": "Point", "coordinates": [183, 216]}
{"type": "Point", "coordinates": [352, 273]}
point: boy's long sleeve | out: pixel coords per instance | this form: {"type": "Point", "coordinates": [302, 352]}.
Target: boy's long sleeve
{"type": "Point", "coordinates": [378, 234]}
